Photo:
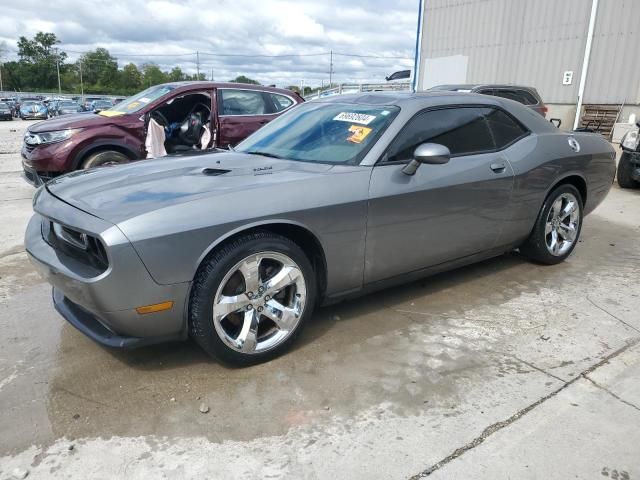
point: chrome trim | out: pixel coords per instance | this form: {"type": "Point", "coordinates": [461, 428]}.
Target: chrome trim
{"type": "Point", "coordinates": [277, 301]}
{"type": "Point", "coordinates": [562, 225]}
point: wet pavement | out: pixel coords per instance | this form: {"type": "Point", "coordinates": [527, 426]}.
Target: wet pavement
{"type": "Point", "coordinates": [501, 368]}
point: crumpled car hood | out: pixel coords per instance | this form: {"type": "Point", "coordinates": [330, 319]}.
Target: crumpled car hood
{"type": "Point", "coordinates": [122, 192]}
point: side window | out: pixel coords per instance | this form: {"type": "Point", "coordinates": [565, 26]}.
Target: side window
{"type": "Point", "coordinates": [280, 102]}
{"type": "Point", "coordinates": [505, 129]}
{"type": "Point", "coordinates": [521, 96]}
{"type": "Point", "coordinates": [510, 94]}
{"type": "Point", "coordinates": [242, 102]}
{"type": "Point", "coordinates": [527, 97]}
{"type": "Point", "coordinates": [463, 130]}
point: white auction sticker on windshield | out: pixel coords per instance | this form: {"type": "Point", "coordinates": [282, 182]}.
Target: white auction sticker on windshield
{"type": "Point", "coordinates": [352, 117]}
{"type": "Point", "coordinates": [144, 100]}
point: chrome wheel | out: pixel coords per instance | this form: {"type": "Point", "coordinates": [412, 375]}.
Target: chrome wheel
{"type": "Point", "coordinates": [562, 225]}
{"type": "Point", "coordinates": [259, 302]}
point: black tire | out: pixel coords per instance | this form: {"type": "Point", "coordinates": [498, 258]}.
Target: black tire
{"type": "Point", "coordinates": [207, 281]}
{"type": "Point", "coordinates": [625, 168]}
{"type": "Point", "coordinates": [105, 157]}
{"type": "Point", "coordinates": [535, 247]}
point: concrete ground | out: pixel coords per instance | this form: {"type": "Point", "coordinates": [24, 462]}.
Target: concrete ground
{"type": "Point", "coordinates": [503, 369]}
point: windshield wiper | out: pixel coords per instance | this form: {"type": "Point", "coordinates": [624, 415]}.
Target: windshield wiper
{"type": "Point", "coordinates": [264, 154]}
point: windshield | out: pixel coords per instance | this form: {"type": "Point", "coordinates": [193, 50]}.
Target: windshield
{"type": "Point", "coordinates": [68, 104]}
{"type": "Point", "coordinates": [4, 106]}
{"type": "Point", "coordinates": [140, 100]}
{"type": "Point", "coordinates": [28, 103]}
{"type": "Point", "coordinates": [322, 132]}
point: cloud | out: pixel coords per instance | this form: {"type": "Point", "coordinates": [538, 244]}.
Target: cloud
{"type": "Point", "coordinates": [138, 30]}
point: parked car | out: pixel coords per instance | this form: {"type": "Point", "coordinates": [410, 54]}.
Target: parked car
{"type": "Point", "coordinates": [66, 107]}
{"type": "Point", "coordinates": [100, 105]}
{"type": "Point", "coordinates": [236, 248]}
{"type": "Point", "coordinates": [12, 105]}
{"type": "Point", "coordinates": [86, 103]}
{"type": "Point", "coordinates": [5, 111]}
{"type": "Point", "coordinates": [629, 165]}
{"type": "Point", "coordinates": [528, 96]}
{"type": "Point", "coordinates": [33, 110]}
{"type": "Point", "coordinates": [118, 135]}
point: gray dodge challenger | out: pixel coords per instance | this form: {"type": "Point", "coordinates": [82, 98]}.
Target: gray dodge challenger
{"type": "Point", "coordinates": [336, 198]}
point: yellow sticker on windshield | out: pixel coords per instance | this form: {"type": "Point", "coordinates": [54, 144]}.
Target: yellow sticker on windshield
{"type": "Point", "coordinates": [133, 105]}
{"type": "Point", "coordinates": [358, 133]}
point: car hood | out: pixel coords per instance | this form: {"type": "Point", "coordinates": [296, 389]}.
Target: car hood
{"type": "Point", "coordinates": [82, 120]}
{"type": "Point", "coordinates": [118, 193]}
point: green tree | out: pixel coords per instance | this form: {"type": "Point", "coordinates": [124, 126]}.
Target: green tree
{"type": "Point", "coordinates": [130, 79]}
{"type": "Point", "coordinates": [99, 70]}
{"type": "Point", "coordinates": [38, 61]}
{"type": "Point", "coordinates": [244, 79]}
{"type": "Point", "coordinates": [176, 75]}
{"type": "Point", "coordinates": [152, 75]}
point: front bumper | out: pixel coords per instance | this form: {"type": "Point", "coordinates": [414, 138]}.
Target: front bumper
{"type": "Point", "coordinates": [102, 304]}
{"type": "Point", "coordinates": [33, 177]}
{"type": "Point", "coordinates": [634, 158]}
{"type": "Point", "coordinates": [34, 116]}
{"type": "Point", "coordinates": [92, 327]}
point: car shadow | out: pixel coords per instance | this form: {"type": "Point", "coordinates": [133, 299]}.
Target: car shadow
{"type": "Point", "coordinates": [494, 281]}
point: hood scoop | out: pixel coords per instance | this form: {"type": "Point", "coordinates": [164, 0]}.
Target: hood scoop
{"type": "Point", "coordinates": [214, 172]}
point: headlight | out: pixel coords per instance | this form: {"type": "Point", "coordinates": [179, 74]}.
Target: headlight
{"type": "Point", "coordinates": [630, 141]}
{"type": "Point", "coordinates": [50, 137]}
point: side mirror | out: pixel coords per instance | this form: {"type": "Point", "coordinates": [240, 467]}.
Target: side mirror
{"type": "Point", "coordinates": [429, 153]}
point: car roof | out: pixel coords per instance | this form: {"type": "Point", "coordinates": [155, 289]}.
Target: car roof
{"type": "Point", "coordinates": [478, 86]}
{"type": "Point", "coordinates": [412, 103]}
{"type": "Point", "coordinates": [190, 85]}
{"type": "Point", "coordinates": [418, 99]}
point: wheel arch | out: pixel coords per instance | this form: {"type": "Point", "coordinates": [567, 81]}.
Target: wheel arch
{"type": "Point", "coordinates": [574, 179]}
{"type": "Point", "coordinates": [103, 146]}
{"type": "Point", "coordinates": [303, 236]}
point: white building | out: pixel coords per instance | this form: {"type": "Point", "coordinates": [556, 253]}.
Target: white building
{"type": "Point", "coordinates": [539, 43]}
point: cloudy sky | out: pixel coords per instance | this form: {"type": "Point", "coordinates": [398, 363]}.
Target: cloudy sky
{"type": "Point", "coordinates": [167, 32]}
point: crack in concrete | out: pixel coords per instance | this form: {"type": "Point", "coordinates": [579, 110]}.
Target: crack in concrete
{"type": "Point", "coordinates": [491, 429]}
{"type": "Point", "coordinates": [617, 397]}
{"type": "Point", "coordinates": [531, 365]}
{"type": "Point", "coordinates": [611, 314]}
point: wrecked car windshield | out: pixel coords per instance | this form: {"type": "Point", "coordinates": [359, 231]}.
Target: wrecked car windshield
{"type": "Point", "coordinates": [321, 132]}
{"type": "Point", "coordinates": [138, 101]}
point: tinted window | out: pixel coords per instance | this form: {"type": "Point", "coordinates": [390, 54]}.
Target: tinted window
{"type": "Point", "coordinates": [462, 130]}
{"type": "Point", "coordinates": [242, 102]}
{"type": "Point", "coordinates": [504, 128]}
{"type": "Point", "coordinates": [280, 102]}
{"type": "Point", "coordinates": [521, 96]}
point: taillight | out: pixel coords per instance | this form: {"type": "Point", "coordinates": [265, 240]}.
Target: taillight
{"type": "Point", "coordinates": [544, 109]}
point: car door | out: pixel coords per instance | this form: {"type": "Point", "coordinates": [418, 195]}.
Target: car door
{"type": "Point", "coordinates": [442, 212]}
{"type": "Point", "coordinates": [240, 113]}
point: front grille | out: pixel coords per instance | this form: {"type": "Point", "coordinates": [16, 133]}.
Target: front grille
{"type": "Point", "coordinates": [84, 248]}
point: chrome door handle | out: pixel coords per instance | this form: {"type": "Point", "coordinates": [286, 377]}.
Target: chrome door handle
{"type": "Point", "coordinates": [498, 167]}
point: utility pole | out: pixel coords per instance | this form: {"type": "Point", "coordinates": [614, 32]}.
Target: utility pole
{"type": "Point", "coordinates": [81, 84]}
{"type": "Point", "coordinates": [58, 70]}
{"type": "Point", "coordinates": [198, 65]}
{"type": "Point", "coordinates": [1, 87]}
{"type": "Point", "coordinates": [212, 74]}
{"type": "Point", "coordinates": [330, 68]}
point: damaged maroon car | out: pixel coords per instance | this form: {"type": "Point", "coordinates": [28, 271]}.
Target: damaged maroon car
{"type": "Point", "coordinates": [164, 119]}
